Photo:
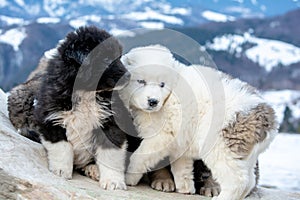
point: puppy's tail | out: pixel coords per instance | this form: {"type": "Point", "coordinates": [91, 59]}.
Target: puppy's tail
{"type": "Point", "coordinates": [78, 44]}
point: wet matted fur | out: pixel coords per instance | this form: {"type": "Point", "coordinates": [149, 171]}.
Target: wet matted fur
{"type": "Point", "coordinates": [231, 156]}
{"type": "Point", "coordinates": [75, 124]}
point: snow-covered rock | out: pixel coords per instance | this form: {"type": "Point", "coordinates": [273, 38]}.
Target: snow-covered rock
{"type": "Point", "coordinates": [24, 175]}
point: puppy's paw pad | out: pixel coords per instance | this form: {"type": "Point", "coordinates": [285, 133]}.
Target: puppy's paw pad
{"type": "Point", "coordinates": [112, 184]}
{"type": "Point", "coordinates": [133, 179]}
{"type": "Point", "coordinates": [165, 185]}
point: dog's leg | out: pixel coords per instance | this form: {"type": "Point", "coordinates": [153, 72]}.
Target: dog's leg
{"type": "Point", "coordinates": [204, 182]}
{"type": "Point", "coordinates": [182, 170]}
{"type": "Point", "coordinates": [162, 180]}
{"type": "Point", "coordinates": [146, 157]}
{"type": "Point", "coordinates": [210, 188]}
{"type": "Point", "coordinates": [234, 178]}
{"type": "Point", "coordinates": [60, 158]}
{"type": "Point", "coordinates": [111, 163]}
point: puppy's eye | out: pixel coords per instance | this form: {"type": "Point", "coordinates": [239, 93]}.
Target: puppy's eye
{"type": "Point", "coordinates": [162, 84]}
{"type": "Point", "coordinates": [141, 82]}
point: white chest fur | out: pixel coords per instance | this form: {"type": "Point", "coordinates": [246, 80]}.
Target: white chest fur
{"type": "Point", "coordinates": [86, 114]}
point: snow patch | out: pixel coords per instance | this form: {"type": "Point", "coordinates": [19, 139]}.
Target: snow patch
{"type": "Point", "coordinates": [83, 21]}
{"type": "Point", "coordinates": [14, 37]}
{"type": "Point", "coordinates": [282, 98]}
{"type": "Point", "coordinates": [3, 3]}
{"type": "Point", "coordinates": [150, 14]}
{"type": "Point", "coordinates": [167, 9]}
{"type": "Point", "coordinates": [121, 32]}
{"type": "Point", "coordinates": [181, 11]}
{"type": "Point", "coordinates": [217, 17]}
{"type": "Point", "coordinates": [54, 8]}
{"type": "Point", "coordinates": [76, 23]}
{"type": "Point", "coordinates": [48, 20]}
{"type": "Point", "coordinates": [12, 20]}
{"type": "Point", "coordinates": [152, 25]}
{"type": "Point", "coordinates": [280, 164]}
{"type": "Point", "coordinates": [267, 53]}
{"type": "Point", "coordinates": [238, 9]}
{"type": "Point", "coordinates": [20, 3]}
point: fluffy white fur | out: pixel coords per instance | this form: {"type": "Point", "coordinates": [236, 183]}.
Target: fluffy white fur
{"type": "Point", "coordinates": [60, 165]}
{"type": "Point", "coordinates": [195, 104]}
{"type": "Point", "coordinates": [111, 172]}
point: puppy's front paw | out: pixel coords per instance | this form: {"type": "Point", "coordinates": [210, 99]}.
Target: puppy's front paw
{"type": "Point", "coordinates": [186, 186]}
{"type": "Point", "coordinates": [165, 185]}
{"type": "Point", "coordinates": [133, 179]}
{"type": "Point", "coordinates": [60, 158]}
{"type": "Point", "coordinates": [210, 189]}
{"type": "Point", "coordinates": [108, 184]}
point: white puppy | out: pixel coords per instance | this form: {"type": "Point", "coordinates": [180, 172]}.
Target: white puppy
{"type": "Point", "coordinates": [195, 112]}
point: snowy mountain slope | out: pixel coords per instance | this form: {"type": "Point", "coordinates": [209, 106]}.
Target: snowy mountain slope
{"type": "Point", "coordinates": [13, 37]}
{"type": "Point", "coordinates": [267, 53]}
{"type": "Point", "coordinates": [282, 98]}
{"type": "Point", "coordinates": [169, 12]}
{"type": "Point", "coordinates": [262, 52]}
{"type": "Point", "coordinates": [217, 17]}
{"type": "Point", "coordinates": [46, 21]}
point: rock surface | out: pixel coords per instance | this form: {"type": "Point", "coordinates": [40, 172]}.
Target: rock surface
{"type": "Point", "coordinates": [24, 175]}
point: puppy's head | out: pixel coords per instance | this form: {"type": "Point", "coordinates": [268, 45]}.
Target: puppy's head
{"type": "Point", "coordinates": [93, 55]}
{"type": "Point", "coordinates": [153, 76]}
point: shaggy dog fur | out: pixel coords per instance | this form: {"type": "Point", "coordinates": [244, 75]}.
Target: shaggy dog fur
{"type": "Point", "coordinates": [21, 102]}
{"type": "Point", "coordinates": [21, 105]}
{"type": "Point", "coordinates": [68, 108]}
{"type": "Point", "coordinates": [195, 112]}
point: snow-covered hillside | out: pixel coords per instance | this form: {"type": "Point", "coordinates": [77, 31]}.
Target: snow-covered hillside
{"type": "Point", "coordinates": [13, 37]}
{"type": "Point", "coordinates": [280, 99]}
{"type": "Point", "coordinates": [217, 17]}
{"type": "Point", "coordinates": [267, 53]}
{"type": "Point", "coordinates": [125, 13]}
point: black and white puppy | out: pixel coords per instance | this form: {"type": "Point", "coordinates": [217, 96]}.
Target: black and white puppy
{"type": "Point", "coordinates": [71, 109]}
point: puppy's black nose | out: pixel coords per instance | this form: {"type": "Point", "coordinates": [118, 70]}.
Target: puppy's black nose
{"type": "Point", "coordinates": [152, 102]}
